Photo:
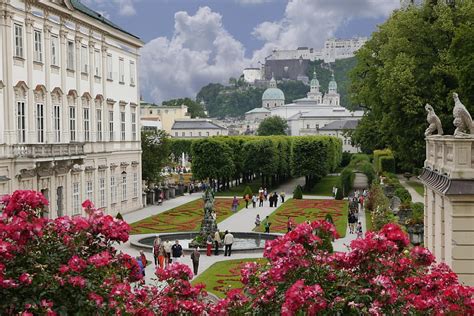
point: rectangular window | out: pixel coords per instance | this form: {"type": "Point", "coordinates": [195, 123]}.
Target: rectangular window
{"type": "Point", "coordinates": [86, 119]}
{"type": "Point", "coordinates": [97, 63]}
{"type": "Point", "coordinates": [111, 125]}
{"type": "Point", "coordinates": [76, 200]}
{"type": "Point", "coordinates": [40, 122]}
{"type": "Point", "coordinates": [84, 59]}
{"type": "Point", "coordinates": [72, 123]}
{"type": "Point", "coordinates": [176, 134]}
{"type": "Point", "coordinates": [18, 40]}
{"type": "Point", "coordinates": [70, 55]}
{"type": "Point", "coordinates": [102, 190]}
{"type": "Point", "coordinates": [89, 190]}
{"type": "Point", "coordinates": [21, 121]}
{"type": "Point", "coordinates": [134, 126]}
{"type": "Point", "coordinates": [122, 126]}
{"type": "Point", "coordinates": [99, 124]}
{"type": "Point", "coordinates": [121, 74]}
{"type": "Point", "coordinates": [109, 67]}
{"type": "Point", "coordinates": [54, 50]}
{"type": "Point", "coordinates": [124, 187]}
{"type": "Point", "coordinates": [57, 123]}
{"type": "Point", "coordinates": [113, 190]}
{"type": "Point", "coordinates": [132, 72]}
{"type": "Point", "coordinates": [38, 47]}
{"type": "Point", "coordinates": [135, 185]}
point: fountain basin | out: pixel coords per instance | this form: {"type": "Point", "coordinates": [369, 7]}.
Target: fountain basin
{"type": "Point", "coordinates": [243, 241]}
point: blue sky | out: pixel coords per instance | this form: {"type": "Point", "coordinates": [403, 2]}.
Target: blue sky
{"type": "Point", "coordinates": [189, 43]}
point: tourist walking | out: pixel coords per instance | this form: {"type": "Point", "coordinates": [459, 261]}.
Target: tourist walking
{"type": "Point", "coordinates": [228, 241]}
{"type": "Point", "coordinates": [270, 200]}
{"type": "Point", "coordinates": [359, 230]}
{"type": "Point", "coordinates": [143, 258]}
{"type": "Point", "coordinates": [257, 221]}
{"type": "Point", "coordinates": [247, 199]}
{"type": "Point", "coordinates": [209, 242]}
{"type": "Point", "coordinates": [195, 259]}
{"type": "Point", "coordinates": [156, 248]}
{"type": "Point", "coordinates": [235, 204]}
{"type": "Point", "coordinates": [162, 255]}
{"type": "Point", "coordinates": [254, 201]}
{"type": "Point", "coordinates": [265, 194]}
{"type": "Point", "coordinates": [275, 199]}
{"type": "Point", "coordinates": [167, 246]}
{"type": "Point", "coordinates": [282, 196]}
{"type": "Point", "coordinates": [140, 265]}
{"type": "Point", "coordinates": [260, 197]}
{"type": "Point", "coordinates": [217, 242]}
{"type": "Point", "coordinates": [177, 252]}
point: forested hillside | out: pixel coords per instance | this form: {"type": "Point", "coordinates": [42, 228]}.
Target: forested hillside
{"type": "Point", "coordinates": [239, 97]}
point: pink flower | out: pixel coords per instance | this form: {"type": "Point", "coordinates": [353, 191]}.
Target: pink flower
{"type": "Point", "coordinates": [100, 259]}
{"type": "Point", "coordinates": [77, 281]}
{"type": "Point", "coordinates": [25, 278]}
{"type": "Point", "coordinates": [77, 264]}
{"type": "Point", "coordinates": [96, 298]}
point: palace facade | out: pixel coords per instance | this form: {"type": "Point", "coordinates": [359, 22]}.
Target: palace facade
{"type": "Point", "coordinates": [69, 106]}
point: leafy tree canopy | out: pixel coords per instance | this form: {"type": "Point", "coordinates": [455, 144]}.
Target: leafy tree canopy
{"type": "Point", "coordinates": [420, 55]}
{"type": "Point", "coordinates": [194, 108]}
{"type": "Point", "coordinates": [273, 125]}
{"type": "Point", "coordinates": [155, 153]}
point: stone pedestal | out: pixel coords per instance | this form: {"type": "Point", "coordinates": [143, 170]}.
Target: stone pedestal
{"type": "Point", "coordinates": [448, 176]}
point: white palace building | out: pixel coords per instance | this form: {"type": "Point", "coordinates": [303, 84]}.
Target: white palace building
{"type": "Point", "coordinates": [69, 106]}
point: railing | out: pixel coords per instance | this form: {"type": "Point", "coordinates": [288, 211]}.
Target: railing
{"type": "Point", "coordinates": [47, 150]}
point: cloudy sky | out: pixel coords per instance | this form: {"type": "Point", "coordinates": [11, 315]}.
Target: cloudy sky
{"type": "Point", "coordinates": [189, 43]}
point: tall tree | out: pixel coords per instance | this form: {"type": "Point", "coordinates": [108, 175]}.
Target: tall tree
{"type": "Point", "coordinates": [420, 55]}
{"type": "Point", "coordinates": [195, 109]}
{"type": "Point", "coordinates": [273, 125]}
{"type": "Point", "coordinates": [155, 154]}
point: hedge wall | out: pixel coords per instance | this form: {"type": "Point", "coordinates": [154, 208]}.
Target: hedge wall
{"type": "Point", "coordinates": [377, 155]}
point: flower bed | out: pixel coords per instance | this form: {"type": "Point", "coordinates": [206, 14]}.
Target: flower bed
{"type": "Point", "coordinates": [224, 276]}
{"type": "Point", "coordinates": [183, 218]}
{"type": "Point", "coordinates": [302, 210]}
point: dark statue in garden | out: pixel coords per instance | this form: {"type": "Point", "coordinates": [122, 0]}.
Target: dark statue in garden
{"type": "Point", "coordinates": [208, 224]}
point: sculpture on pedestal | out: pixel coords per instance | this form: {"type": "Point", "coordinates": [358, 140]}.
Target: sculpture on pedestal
{"type": "Point", "coordinates": [208, 224]}
{"type": "Point", "coordinates": [433, 119]}
{"type": "Point", "coordinates": [462, 118]}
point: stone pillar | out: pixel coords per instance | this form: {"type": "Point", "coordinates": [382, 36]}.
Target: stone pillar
{"type": "Point", "coordinates": [448, 177]}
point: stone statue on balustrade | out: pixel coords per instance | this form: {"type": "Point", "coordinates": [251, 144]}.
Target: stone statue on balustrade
{"type": "Point", "coordinates": [435, 122]}
{"type": "Point", "coordinates": [462, 119]}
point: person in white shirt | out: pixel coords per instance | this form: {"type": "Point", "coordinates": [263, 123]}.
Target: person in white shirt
{"type": "Point", "coordinates": [228, 241]}
{"type": "Point", "coordinates": [167, 245]}
{"type": "Point", "coordinates": [217, 241]}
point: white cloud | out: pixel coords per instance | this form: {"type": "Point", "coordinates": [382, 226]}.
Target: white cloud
{"type": "Point", "coordinates": [200, 51]}
{"type": "Point", "coordinates": [311, 22]}
{"type": "Point", "coordinates": [125, 7]}
{"type": "Point", "coordinates": [252, 1]}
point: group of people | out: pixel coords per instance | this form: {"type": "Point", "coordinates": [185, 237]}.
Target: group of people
{"type": "Point", "coordinates": [356, 205]}
{"type": "Point", "coordinates": [164, 252]}
{"type": "Point", "coordinates": [217, 240]}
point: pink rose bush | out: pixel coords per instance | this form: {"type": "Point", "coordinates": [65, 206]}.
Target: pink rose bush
{"type": "Point", "coordinates": [69, 266]}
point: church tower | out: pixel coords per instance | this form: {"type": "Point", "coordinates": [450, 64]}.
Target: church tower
{"type": "Point", "coordinates": [332, 97]}
{"type": "Point", "coordinates": [314, 93]}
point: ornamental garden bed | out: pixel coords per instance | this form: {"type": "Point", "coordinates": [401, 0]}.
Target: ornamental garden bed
{"type": "Point", "coordinates": [302, 210]}
{"type": "Point", "coordinates": [186, 217]}
{"type": "Point", "coordinates": [224, 276]}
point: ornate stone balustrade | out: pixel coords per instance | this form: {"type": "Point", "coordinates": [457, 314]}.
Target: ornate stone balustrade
{"type": "Point", "coordinates": [47, 150]}
{"type": "Point", "coordinates": [450, 156]}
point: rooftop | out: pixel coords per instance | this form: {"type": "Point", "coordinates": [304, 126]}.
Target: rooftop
{"type": "Point", "coordinates": [258, 110]}
{"type": "Point", "coordinates": [341, 125]}
{"type": "Point", "coordinates": [195, 124]}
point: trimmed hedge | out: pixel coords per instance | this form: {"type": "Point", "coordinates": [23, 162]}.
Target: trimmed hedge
{"type": "Point", "coordinates": [403, 194]}
{"type": "Point", "coordinates": [298, 192]}
{"type": "Point", "coordinates": [347, 180]}
{"type": "Point", "coordinates": [387, 164]}
{"type": "Point", "coordinates": [377, 161]}
{"type": "Point", "coordinates": [248, 191]}
{"type": "Point", "coordinates": [339, 195]}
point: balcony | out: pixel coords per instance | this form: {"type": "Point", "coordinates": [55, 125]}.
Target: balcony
{"type": "Point", "coordinates": [38, 151]}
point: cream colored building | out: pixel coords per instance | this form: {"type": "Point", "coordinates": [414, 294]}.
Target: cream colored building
{"type": "Point", "coordinates": [69, 106]}
{"type": "Point", "coordinates": [196, 128]}
{"type": "Point", "coordinates": [448, 176]}
{"type": "Point", "coordinates": [167, 115]}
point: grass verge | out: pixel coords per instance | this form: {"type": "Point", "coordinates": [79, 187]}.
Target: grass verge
{"type": "Point", "coordinates": [419, 187]}
{"type": "Point", "coordinates": [324, 187]}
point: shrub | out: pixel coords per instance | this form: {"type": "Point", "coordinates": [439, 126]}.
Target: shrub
{"type": "Point", "coordinates": [298, 192]}
{"type": "Point", "coordinates": [248, 191]}
{"type": "Point", "coordinates": [347, 180]}
{"type": "Point", "coordinates": [377, 155]}
{"type": "Point", "coordinates": [346, 159]}
{"type": "Point", "coordinates": [119, 216]}
{"type": "Point", "coordinates": [329, 219]}
{"type": "Point", "coordinates": [403, 194]}
{"type": "Point", "coordinates": [387, 163]}
{"type": "Point", "coordinates": [339, 194]}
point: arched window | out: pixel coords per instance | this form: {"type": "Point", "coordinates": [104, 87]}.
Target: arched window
{"type": "Point", "coordinates": [21, 92]}
{"type": "Point", "coordinates": [40, 96]}
{"type": "Point", "coordinates": [86, 116]}
{"type": "Point", "coordinates": [99, 103]}
{"type": "Point", "coordinates": [72, 103]}
{"type": "Point", "coordinates": [56, 100]}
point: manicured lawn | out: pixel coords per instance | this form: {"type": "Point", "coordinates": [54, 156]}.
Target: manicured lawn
{"type": "Point", "coordinates": [324, 187]}
{"type": "Point", "coordinates": [239, 190]}
{"type": "Point", "coordinates": [184, 218]}
{"type": "Point", "coordinates": [223, 276]}
{"type": "Point", "coordinates": [419, 187]}
{"type": "Point", "coordinates": [302, 210]}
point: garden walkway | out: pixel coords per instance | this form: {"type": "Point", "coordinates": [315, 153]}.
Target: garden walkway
{"type": "Point", "coordinates": [242, 221]}
{"type": "Point", "coordinates": [415, 196]}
